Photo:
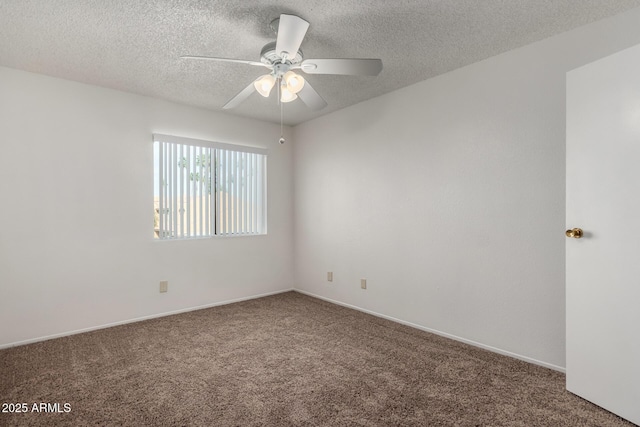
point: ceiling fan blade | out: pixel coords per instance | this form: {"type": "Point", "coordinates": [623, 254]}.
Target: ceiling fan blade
{"type": "Point", "coordinates": [239, 98]}
{"type": "Point", "coordinates": [291, 31]}
{"type": "Point", "coordinates": [239, 61]}
{"type": "Point", "coordinates": [310, 97]}
{"type": "Point", "coordinates": [349, 67]}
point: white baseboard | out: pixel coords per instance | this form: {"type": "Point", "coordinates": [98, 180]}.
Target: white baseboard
{"type": "Point", "coordinates": [200, 307]}
{"type": "Point", "coordinates": [139, 319]}
{"type": "Point", "coordinates": [442, 334]}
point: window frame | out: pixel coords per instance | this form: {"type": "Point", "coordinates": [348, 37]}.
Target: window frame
{"type": "Point", "coordinates": [215, 195]}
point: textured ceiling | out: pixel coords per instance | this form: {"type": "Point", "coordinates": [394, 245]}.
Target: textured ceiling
{"type": "Point", "coordinates": [135, 45]}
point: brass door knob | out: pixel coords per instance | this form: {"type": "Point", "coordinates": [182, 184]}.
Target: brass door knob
{"type": "Point", "coordinates": [576, 233]}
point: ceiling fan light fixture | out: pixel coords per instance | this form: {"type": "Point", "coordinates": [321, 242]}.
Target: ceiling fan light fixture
{"type": "Point", "coordinates": [295, 82]}
{"type": "Point", "coordinates": [286, 95]}
{"type": "Point", "coordinates": [264, 84]}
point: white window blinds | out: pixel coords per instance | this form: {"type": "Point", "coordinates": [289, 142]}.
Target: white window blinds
{"type": "Point", "coordinates": [206, 188]}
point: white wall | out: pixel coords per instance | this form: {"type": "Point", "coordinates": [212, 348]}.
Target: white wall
{"type": "Point", "coordinates": [449, 197]}
{"type": "Point", "coordinates": [76, 200]}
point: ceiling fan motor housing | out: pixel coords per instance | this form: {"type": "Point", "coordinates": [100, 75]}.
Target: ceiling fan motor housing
{"type": "Point", "coordinates": [269, 56]}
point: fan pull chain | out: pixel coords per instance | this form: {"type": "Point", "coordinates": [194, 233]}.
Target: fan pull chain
{"type": "Point", "coordinates": [281, 140]}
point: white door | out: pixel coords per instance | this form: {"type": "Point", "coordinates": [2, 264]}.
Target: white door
{"type": "Point", "coordinates": [603, 199]}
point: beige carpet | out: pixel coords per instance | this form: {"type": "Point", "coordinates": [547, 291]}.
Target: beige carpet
{"type": "Point", "coordinates": [284, 360]}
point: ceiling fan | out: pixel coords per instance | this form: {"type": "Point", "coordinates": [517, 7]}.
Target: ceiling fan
{"type": "Point", "coordinates": [284, 56]}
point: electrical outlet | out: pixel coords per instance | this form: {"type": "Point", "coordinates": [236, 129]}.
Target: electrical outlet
{"type": "Point", "coordinates": [363, 283]}
{"type": "Point", "coordinates": [330, 276]}
{"type": "Point", "coordinates": [164, 286]}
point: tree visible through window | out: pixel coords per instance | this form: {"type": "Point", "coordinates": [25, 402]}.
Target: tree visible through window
{"type": "Point", "coordinates": [205, 188]}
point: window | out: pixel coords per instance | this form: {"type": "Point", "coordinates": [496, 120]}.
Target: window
{"type": "Point", "coordinates": [207, 188]}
